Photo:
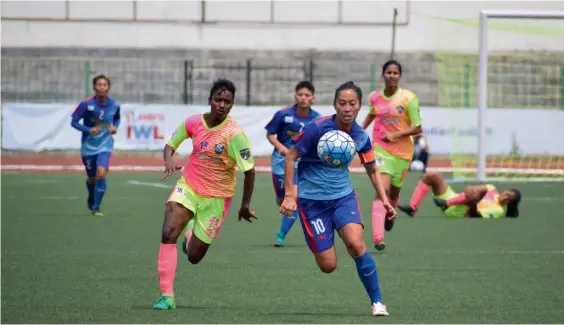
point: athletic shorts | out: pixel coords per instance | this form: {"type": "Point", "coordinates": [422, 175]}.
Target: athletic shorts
{"type": "Point", "coordinates": [455, 211]}
{"type": "Point", "coordinates": [278, 182]}
{"type": "Point", "coordinates": [92, 162]}
{"type": "Point", "coordinates": [392, 165]}
{"type": "Point", "coordinates": [320, 218]}
{"type": "Point", "coordinates": [209, 212]}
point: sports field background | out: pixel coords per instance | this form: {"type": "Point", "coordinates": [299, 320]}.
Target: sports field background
{"type": "Point", "coordinates": [62, 265]}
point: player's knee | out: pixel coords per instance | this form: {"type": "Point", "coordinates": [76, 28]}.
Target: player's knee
{"type": "Point", "coordinates": [194, 258]}
{"type": "Point", "coordinates": [170, 234]}
{"type": "Point", "coordinates": [429, 177]}
{"type": "Point", "coordinates": [327, 266]}
{"type": "Point", "coordinates": [101, 173]}
{"type": "Point", "coordinates": [92, 180]}
{"type": "Point", "coordinates": [171, 231]}
{"type": "Point", "coordinates": [356, 248]}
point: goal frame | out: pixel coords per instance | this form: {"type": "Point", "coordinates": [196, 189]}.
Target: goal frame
{"type": "Point", "coordinates": [485, 15]}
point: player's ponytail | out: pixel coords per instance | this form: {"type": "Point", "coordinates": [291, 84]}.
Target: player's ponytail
{"type": "Point", "coordinates": [349, 85]}
{"type": "Point", "coordinates": [513, 206]}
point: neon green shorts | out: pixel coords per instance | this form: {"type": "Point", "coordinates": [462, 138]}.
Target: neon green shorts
{"type": "Point", "coordinates": [209, 212]}
{"type": "Point", "coordinates": [455, 211]}
{"type": "Point", "coordinates": [392, 165]}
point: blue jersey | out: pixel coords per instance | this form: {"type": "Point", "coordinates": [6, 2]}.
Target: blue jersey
{"type": "Point", "coordinates": [99, 114]}
{"type": "Point", "coordinates": [286, 124]}
{"type": "Point", "coordinates": [318, 181]}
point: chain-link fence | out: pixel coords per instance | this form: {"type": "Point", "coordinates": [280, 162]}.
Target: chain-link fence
{"type": "Point", "coordinates": [445, 80]}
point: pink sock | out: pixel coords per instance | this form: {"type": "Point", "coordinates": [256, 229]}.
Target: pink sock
{"type": "Point", "coordinates": [378, 216]}
{"type": "Point", "coordinates": [418, 195]}
{"type": "Point", "coordinates": [167, 267]}
{"type": "Point", "coordinates": [459, 199]}
{"type": "Point", "coordinates": [188, 236]}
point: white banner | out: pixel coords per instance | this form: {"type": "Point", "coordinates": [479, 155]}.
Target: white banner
{"type": "Point", "coordinates": [37, 127]}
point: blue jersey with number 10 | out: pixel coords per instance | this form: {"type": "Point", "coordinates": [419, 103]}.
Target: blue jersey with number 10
{"type": "Point", "coordinates": [286, 124]}
{"type": "Point", "coordinates": [317, 181]}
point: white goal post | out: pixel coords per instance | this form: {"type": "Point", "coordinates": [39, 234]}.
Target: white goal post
{"type": "Point", "coordinates": [483, 72]}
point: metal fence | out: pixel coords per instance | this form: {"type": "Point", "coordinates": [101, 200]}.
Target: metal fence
{"type": "Point", "coordinates": [438, 80]}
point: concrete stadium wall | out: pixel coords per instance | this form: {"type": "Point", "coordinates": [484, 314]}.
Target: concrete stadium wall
{"type": "Point", "coordinates": [423, 25]}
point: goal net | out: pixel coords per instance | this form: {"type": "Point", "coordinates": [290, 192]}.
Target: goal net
{"type": "Point", "coordinates": [501, 86]}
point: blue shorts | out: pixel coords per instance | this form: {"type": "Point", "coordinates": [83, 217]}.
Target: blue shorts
{"type": "Point", "coordinates": [92, 162]}
{"type": "Point", "coordinates": [320, 218]}
{"type": "Point", "coordinates": [278, 182]}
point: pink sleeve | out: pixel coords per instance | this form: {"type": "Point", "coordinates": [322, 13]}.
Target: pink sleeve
{"type": "Point", "coordinates": [191, 123]}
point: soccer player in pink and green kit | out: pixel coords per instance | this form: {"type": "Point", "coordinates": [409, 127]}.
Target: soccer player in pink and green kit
{"type": "Point", "coordinates": [202, 196]}
{"type": "Point", "coordinates": [396, 116]}
{"type": "Point", "coordinates": [477, 201]}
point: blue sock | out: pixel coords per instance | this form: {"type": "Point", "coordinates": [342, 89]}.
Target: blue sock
{"type": "Point", "coordinates": [368, 274]}
{"type": "Point", "coordinates": [287, 223]}
{"type": "Point", "coordinates": [99, 191]}
{"type": "Point", "coordinates": [90, 188]}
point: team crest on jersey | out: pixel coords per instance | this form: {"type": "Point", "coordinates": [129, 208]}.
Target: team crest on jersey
{"type": "Point", "coordinates": [245, 153]}
{"type": "Point", "coordinates": [219, 148]}
{"type": "Point", "coordinates": [288, 119]}
{"type": "Point", "coordinates": [400, 109]}
{"type": "Point", "coordinates": [90, 107]}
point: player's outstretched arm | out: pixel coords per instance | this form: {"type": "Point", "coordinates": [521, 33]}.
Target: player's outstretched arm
{"type": "Point", "coordinates": [239, 149]}
{"type": "Point", "coordinates": [248, 188]}
{"type": "Point", "coordinates": [368, 120]}
{"type": "Point", "coordinates": [277, 144]}
{"type": "Point", "coordinates": [289, 205]}
{"type": "Point", "coordinates": [170, 166]}
{"type": "Point", "coordinates": [179, 135]}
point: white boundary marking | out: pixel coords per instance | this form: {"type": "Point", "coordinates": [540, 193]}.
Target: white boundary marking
{"type": "Point", "coordinates": [160, 185]}
{"type": "Point", "coordinates": [555, 172]}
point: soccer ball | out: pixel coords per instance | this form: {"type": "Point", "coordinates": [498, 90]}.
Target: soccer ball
{"type": "Point", "coordinates": [417, 166]}
{"type": "Point", "coordinates": [336, 149]}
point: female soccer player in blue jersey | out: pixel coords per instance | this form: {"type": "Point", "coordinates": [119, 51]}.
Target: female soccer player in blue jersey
{"type": "Point", "coordinates": [101, 117]}
{"type": "Point", "coordinates": [326, 200]}
{"type": "Point", "coordinates": [282, 128]}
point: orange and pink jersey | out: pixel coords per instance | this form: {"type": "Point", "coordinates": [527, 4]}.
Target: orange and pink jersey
{"type": "Point", "coordinates": [489, 206]}
{"type": "Point", "coordinates": [392, 114]}
{"type": "Point", "coordinates": [216, 152]}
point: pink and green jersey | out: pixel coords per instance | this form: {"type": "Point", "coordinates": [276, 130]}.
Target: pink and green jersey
{"type": "Point", "coordinates": [396, 113]}
{"type": "Point", "coordinates": [489, 206]}
{"type": "Point", "coordinates": [216, 152]}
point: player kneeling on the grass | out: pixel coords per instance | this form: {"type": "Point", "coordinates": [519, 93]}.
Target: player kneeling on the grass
{"type": "Point", "coordinates": [326, 200]}
{"type": "Point", "coordinates": [202, 196]}
{"type": "Point", "coordinates": [284, 126]}
{"type": "Point", "coordinates": [101, 117]}
{"type": "Point", "coordinates": [477, 201]}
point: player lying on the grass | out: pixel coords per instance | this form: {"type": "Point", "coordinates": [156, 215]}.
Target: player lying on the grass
{"type": "Point", "coordinates": [101, 117]}
{"type": "Point", "coordinates": [284, 126]}
{"type": "Point", "coordinates": [202, 196]}
{"type": "Point", "coordinates": [395, 112]}
{"type": "Point", "coordinates": [326, 199]}
{"type": "Point", "coordinates": [477, 201]}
